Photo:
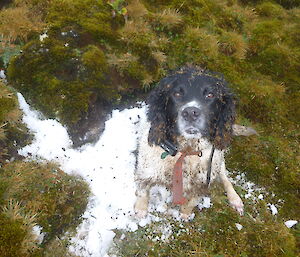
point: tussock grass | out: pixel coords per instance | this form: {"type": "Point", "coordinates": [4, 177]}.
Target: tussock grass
{"type": "Point", "coordinates": [13, 133]}
{"type": "Point", "coordinates": [233, 44]}
{"type": "Point", "coordinates": [168, 18]}
{"type": "Point", "coordinates": [136, 9]}
{"type": "Point", "coordinates": [16, 231]}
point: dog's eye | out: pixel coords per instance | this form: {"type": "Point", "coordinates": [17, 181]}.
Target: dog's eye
{"type": "Point", "coordinates": [177, 94]}
{"type": "Point", "coordinates": [210, 95]}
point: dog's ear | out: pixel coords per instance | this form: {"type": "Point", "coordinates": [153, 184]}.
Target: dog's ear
{"type": "Point", "coordinates": [157, 114]}
{"type": "Point", "coordinates": [222, 128]}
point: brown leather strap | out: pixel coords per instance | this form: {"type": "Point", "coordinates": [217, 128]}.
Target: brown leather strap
{"type": "Point", "coordinates": [177, 189]}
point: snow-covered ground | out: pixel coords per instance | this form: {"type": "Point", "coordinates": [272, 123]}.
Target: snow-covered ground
{"type": "Point", "coordinates": [108, 167]}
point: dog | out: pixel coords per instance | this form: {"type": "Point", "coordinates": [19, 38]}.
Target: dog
{"type": "Point", "coordinates": [190, 119]}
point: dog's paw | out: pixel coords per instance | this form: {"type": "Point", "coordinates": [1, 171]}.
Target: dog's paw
{"type": "Point", "coordinates": [236, 203]}
{"type": "Point", "coordinates": [141, 213]}
{"type": "Point", "coordinates": [187, 217]}
{"type": "Point", "coordinates": [141, 207]}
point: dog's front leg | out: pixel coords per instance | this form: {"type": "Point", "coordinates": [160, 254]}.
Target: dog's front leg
{"type": "Point", "coordinates": [186, 209]}
{"type": "Point", "coordinates": [141, 204]}
{"type": "Point", "coordinates": [233, 198]}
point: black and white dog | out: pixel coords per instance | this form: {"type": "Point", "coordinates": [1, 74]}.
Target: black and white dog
{"type": "Point", "coordinates": [190, 117]}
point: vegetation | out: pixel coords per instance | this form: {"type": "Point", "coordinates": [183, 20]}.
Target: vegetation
{"type": "Point", "coordinates": [31, 194]}
{"type": "Point", "coordinates": [217, 231]}
{"type": "Point", "coordinates": [13, 133]}
{"type": "Point", "coordinates": [38, 195]}
{"type": "Point", "coordinates": [98, 52]}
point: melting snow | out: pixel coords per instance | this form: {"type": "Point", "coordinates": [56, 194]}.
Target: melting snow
{"type": "Point", "coordinates": [273, 209]}
{"type": "Point", "coordinates": [108, 167]}
{"type": "Point", "coordinates": [43, 36]}
{"type": "Point", "coordinates": [239, 226]}
{"type": "Point", "coordinates": [290, 223]}
{"type": "Point", "coordinates": [2, 74]}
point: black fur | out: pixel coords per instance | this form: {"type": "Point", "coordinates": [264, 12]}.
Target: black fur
{"type": "Point", "coordinates": [163, 109]}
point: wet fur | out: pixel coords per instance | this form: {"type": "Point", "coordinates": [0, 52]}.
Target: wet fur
{"type": "Point", "coordinates": [162, 124]}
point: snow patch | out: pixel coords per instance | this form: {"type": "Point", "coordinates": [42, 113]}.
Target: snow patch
{"type": "Point", "coordinates": [290, 223]}
{"type": "Point", "coordinates": [2, 74]}
{"type": "Point", "coordinates": [43, 36]}
{"type": "Point", "coordinates": [37, 231]}
{"type": "Point", "coordinates": [239, 226]}
{"type": "Point", "coordinates": [273, 209]}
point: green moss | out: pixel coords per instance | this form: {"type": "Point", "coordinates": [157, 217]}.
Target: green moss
{"type": "Point", "coordinates": [260, 34]}
{"type": "Point", "coordinates": [270, 9]}
{"type": "Point", "coordinates": [12, 234]}
{"type": "Point", "coordinates": [16, 234]}
{"type": "Point", "coordinates": [6, 105]}
{"type": "Point", "coordinates": [281, 58]}
{"type": "Point", "coordinates": [93, 17]}
{"type": "Point", "coordinates": [94, 58]}
{"type": "Point", "coordinates": [64, 78]}
{"type": "Point", "coordinates": [58, 199]}
{"type": "Point", "coordinates": [264, 162]}
{"type": "Point", "coordinates": [13, 133]}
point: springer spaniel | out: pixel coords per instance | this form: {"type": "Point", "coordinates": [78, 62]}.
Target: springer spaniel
{"type": "Point", "coordinates": [189, 125]}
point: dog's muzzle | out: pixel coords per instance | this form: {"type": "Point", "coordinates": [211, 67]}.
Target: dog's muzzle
{"type": "Point", "coordinates": [190, 117]}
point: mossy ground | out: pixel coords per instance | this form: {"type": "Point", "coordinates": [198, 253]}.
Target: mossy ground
{"type": "Point", "coordinates": [13, 133]}
{"type": "Point", "coordinates": [95, 54]}
{"type": "Point", "coordinates": [213, 232]}
{"type": "Point", "coordinates": [38, 194]}
{"type": "Point", "coordinates": [33, 193]}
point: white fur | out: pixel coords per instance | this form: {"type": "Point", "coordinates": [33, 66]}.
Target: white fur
{"type": "Point", "coordinates": [182, 126]}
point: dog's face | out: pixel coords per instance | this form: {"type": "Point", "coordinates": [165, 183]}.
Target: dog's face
{"type": "Point", "coordinates": [192, 103]}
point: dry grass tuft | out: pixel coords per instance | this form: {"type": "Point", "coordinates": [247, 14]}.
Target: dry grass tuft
{"type": "Point", "coordinates": [18, 23]}
{"type": "Point", "coordinates": [12, 116]}
{"type": "Point", "coordinates": [247, 13]}
{"type": "Point", "coordinates": [58, 247]}
{"type": "Point", "coordinates": [133, 29]}
{"type": "Point", "coordinates": [200, 38]}
{"type": "Point", "coordinates": [121, 61]}
{"type": "Point", "coordinates": [14, 211]}
{"type": "Point", "coordinates": [233, 44]}
{"type": "Point", "coordinates": [136, 9]}
{"type": "Point", "coordinates": [147, 81]}
{"type": "Point", "coordinates": [169, 18]}
{"type": "Point", "coordinates": [160, 57]}
{"type": "Point", "coordinates": [2, 132]}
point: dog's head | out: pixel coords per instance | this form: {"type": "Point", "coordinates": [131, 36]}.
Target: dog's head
{"type": "Point", "coordinates": [193, 103]}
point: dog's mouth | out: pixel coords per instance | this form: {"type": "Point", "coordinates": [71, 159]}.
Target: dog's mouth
{"type": "Point", "coordinates": [192, 131]}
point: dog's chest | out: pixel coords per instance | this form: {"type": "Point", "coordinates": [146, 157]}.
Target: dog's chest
{"type": "Point", "coordinates": [153, 169]}
{"type": "Point", "coordinates": [194, 167]}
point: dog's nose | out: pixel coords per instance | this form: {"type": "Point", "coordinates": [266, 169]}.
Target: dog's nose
{"type": "Point", "coordinates": [190, 113]}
